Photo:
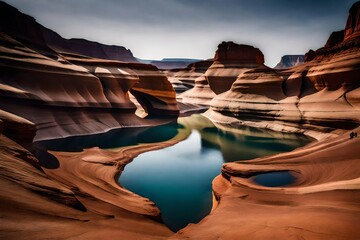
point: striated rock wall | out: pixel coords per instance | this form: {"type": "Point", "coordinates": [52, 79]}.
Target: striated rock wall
{"type": "Point", "coordinates": [67, 94]}
{"type": "Point", "coordinates": [82, 94]}
{"type": "Point", "coordinates": [352, 28]}
{"type": "Point", "coordinates": [323, 202]}
{"type": "Point", "coordinates": [184, 78]}
{"type": "Point", "coordinates": [322, 92]}
{"type": "Point", "coordinates": [230, 61]}
{"type": "Point", "coordinates": [81, 198]}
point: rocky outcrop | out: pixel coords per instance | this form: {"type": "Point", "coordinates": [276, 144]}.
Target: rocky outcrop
{"type": "Point", "coordinates": [288, 61]}
{"type": "Point", "coordinates": [68, 94]}
{"type": "Point", "coordinates": [334, 39]}
{"type": "Point", "coordinates": [322, 93]}
{"type": "Point", "coordinates": [184, 79]}
{"type": "Point", "coordinates": [16, 128]}
{"type": "Point", "coordinates": [230, 61]}
{"type": "Point", "coordinates": [42, 205]}
{"type": "Point", "coordinates": [313, 94]}
{"type": "Point", "coordinates": [352, 28]}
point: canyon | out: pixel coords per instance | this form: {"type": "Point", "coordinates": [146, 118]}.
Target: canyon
{"type": "Point", "coordinates": [57, 89]}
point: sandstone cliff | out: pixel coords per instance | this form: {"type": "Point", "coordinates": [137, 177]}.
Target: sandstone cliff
{"type": "Point", "coordinates": [323, 202]}
{"type": "Point", "coordinates": [67, 94]}
{"type": "Point", "coordinates": [322, 92]}
{"type": "Point", "coordinates": [41, 203]}
{"type": "Point", "coordinates": [184, 79]}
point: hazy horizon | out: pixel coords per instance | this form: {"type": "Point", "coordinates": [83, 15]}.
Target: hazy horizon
{"type": "Point", "coordinates": [160, 29]}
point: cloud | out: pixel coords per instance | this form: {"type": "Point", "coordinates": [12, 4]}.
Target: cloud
{"type": "Point", "coordinates": [155, 29]}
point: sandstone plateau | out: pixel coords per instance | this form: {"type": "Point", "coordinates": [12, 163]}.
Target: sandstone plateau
{"type": "Point", "coordinates": [172, 63]}
{"type": "Point", "coordinates": [56, 88]}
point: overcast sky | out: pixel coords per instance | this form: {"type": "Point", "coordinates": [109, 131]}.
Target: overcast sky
{"type": "Point", "coordinates": [156, 29]}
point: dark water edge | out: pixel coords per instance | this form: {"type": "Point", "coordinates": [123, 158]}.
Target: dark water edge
{"type": "Point", "coordinates": [178, 178]}
{"type": "Point", "coordinates": [275, 179]}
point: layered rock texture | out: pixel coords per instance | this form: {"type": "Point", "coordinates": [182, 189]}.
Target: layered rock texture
{"type": "Point", "coordinates": [67, 94]}
{"type": "Point", "coordinates": [323, 202]}
{"type": "Point", "coordinates": [184, 79]}
{"type": "Point", "coordinates": [72, 200]}
{"type": "Point", "coordinates": [51, 87]}
{"type": "Point", "coordinates": [324, 91]}
{"type": "Point", "coordinates": [288, 61]}
{"type": "Point", "coordinates": [45, 94]}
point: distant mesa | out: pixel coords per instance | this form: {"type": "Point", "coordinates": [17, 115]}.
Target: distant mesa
{"type": "Point", "coordinates": [230, 51]}
{"type": "Point", "coordinates": [86, 47]}
{"type": "Point", "coordinates": [288, 61]}
{"type": "Point", "coordinates": [173, 63]}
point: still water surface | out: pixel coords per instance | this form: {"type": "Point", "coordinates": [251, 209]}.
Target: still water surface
{"type": "Point", "coordinates": [178, 178]}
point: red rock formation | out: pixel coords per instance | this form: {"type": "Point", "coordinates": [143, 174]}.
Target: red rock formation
{"type": "Point", "coordinates": [230, 61]}
{"type": "Point", "coordinates": [94, 207]}
{"type": "Point", "coordinates": [313, 93]}
{"type": "Point", "coordinates": [92, 89]}
{"type": "Point", "coordinates": [323, 203]}
{"type": "Point", "coordinates": [352, 28]}
{"type": "Point", "coordinates": [184, 78]}
{"type": "Point", "coordinates": [44, 86]}
{"type": "Point", "coordinates": [323, 93]}
{"type": "Point", "coordinates": [230, 51]}
{"type": "Point", "coordinates": [335, 38]}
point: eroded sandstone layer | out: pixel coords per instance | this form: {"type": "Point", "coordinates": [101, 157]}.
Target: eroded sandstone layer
{"type": "Point", "coordinates": [320, 95]}
{"type": "Point", "coordinates": [322, 92]}
{"type": "Point", "coordinates": [63, 94]}
{"type": "Point", "coordinates": [323, 203]}
{"type": "Point", "coordinates": [185, 78]}
{"type": "Point", "coordinates": [80, 199]}
{"type": "Point", "coordinates": [67, 94]}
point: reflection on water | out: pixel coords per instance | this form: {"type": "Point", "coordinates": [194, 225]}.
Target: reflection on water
{"type": "Point", "coordinates": [274, 179]}
{"type": "Point", "coordinates": [178, 178]}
